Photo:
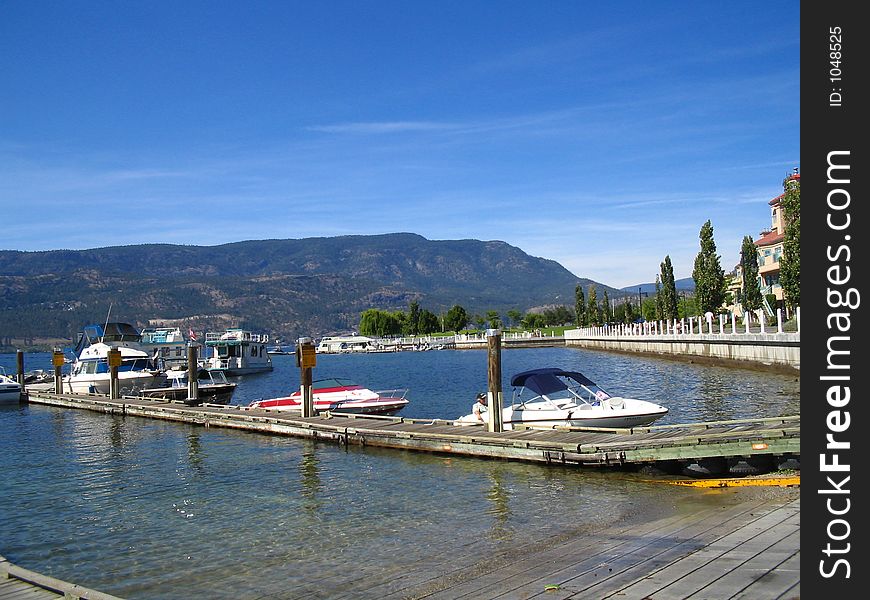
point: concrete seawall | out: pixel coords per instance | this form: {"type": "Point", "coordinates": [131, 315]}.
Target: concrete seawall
{"type": "Point", "coordinates": [777, 350]}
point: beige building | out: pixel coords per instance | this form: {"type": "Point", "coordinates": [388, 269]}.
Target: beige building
{"type": "Point", "coordinates": [769, 246]}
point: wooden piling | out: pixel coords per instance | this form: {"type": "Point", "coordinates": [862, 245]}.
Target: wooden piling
{"type": "Point", "coordinates": [306, 360]}
{"type": "Point", "coordinates": [57, 361]}
{"type": "Point", "coordinates": [192, 375]}
{"type": "Point", "coordinates": [493, 338]}
{"type": "Point", "coordinates": [20, 362]}
{"type": "Point", "coordinates": [114, 358]}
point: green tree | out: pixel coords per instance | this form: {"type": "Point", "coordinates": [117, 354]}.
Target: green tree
{"type": "Point", "coordinates": [428, 322]}
{"type": "Point", "coordinates": [412, 323]}
{"type": "Point", "coordinates": [492, 319]}
{"type": "Point", "coordinates": [790, 263]}
{"type": "Point", "coordinates": [606, 314]}
{"type": "Point", "coordinates": [751, 295]}
{"type": "Point", "coordinates": [669, 290]}
{"type": "Point", "coordinates": [629, 315]}
{"type": "Point", "coordinates": [592, 314]}
{"type": "Point", "coordinates": [708, 274]}
{"type": "Point", "coordinates": [456, 318]}
{"type": "Point", "coordinates": [579, 306]}
{"type": "Point", "coordinates": [515, 316]}
{"type": "Point", "coordinates": [658, 299]}
{"type": "Point", "coordinates": [379, 323]}
{"type": "Point", "coordinates": [533, 321]}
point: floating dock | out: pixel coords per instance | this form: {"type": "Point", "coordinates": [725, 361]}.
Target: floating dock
{"type": "Point", "coordinates": [710, 448]}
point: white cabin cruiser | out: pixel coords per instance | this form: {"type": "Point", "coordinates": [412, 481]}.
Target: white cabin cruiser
{"type": "Point", "coordinates": [90, 371]}
{"type": "Point", "coordinates": [553, 397]}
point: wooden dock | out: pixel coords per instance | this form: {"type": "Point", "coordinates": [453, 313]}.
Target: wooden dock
{"type": "Point", "coordinates": [17, 583]}
{"type": "Point", "coordinates": [728, 442]}
{"type": "Point", "coordinates": [747, 550]}
{"type": "Point", "coordinates": [746, 544]}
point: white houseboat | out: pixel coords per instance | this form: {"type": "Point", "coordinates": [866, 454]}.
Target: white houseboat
{"type": "Point", "coordinates": [167, 345]}
{"type": "Point", "coordinates": [238, 352]}
{"type": "Point", "coordinates": [346, 344]}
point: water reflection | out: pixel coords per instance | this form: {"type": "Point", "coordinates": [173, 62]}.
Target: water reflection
{"type": "Point", "coordinates": [309, 470]}
{"type": "Point", "coordinates": [499, 497]}
{"type": "Point", "coordinates": [194, 451]}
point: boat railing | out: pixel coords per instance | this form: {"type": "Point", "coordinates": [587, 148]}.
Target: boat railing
{"type": "Point", "coordinates": [395, 394]}
{"type": "Point", "coordinates": [236, 336]}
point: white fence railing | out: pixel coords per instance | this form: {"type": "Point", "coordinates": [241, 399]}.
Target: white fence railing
{"type": "Point", "coordinates": [750, 322]}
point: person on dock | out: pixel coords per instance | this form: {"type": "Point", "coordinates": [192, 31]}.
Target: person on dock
{"type": "Point", "coordinates": [479, 407]}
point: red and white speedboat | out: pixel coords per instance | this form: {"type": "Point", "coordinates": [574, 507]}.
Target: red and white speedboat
{"type": "Point", "coordinates": [341, 396]}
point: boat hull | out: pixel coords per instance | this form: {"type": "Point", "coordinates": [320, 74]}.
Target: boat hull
{"type": "Point", "coordinates": [349, 407]}
{"type": "Point", "coordinates": [206, 393]}
{"type": "Point", "coordinates": [10, 395]}
{"type": "Point", "coordinates": [129, 382]}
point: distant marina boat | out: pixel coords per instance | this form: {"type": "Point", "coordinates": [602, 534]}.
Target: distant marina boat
{"type": "Point", "coordinates": [279, 350]}
{"type": "Point", "coordinates": [238, 352]}
{"type": "Point", "coordinates": [346, 344]}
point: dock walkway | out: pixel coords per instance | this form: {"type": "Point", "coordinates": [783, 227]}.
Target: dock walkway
{"type": "Point", "coordinates": [777, 437]}
{"type": "Point", "coordinates": [17, 583]}
{"type": "Point", "coordinates": [748, 550]}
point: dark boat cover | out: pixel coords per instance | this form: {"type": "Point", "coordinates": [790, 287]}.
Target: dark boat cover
{"type": "Point", "coordinates": [546, 381]}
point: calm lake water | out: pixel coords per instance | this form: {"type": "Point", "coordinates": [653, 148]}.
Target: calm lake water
{"type": "Point", "coordinates": [147, 509]}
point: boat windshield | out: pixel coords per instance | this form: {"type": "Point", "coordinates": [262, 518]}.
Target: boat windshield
{"type": "Point", "coordinates": [333, 382]}
{"type": "Point", "coordinates": [557, 386]}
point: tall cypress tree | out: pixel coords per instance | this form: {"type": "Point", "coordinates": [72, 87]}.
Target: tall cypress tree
{"type": "Point", "coordinates": [579, 306]}
{"type": "Point", "coordinates": [751, 296]}
{"type": "Point", "coordinates": [670, 308]}
{"type": "Point", "coordinates": [710, 285]}
{"type": "Point", "coordinates": [592, 311]}
{"type": "Point", "coordinates": [659, 311]}
{"type": "Point", "coordinates": [790, 264]}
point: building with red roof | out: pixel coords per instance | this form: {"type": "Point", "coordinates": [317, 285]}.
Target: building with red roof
{"type": "Point", "coordinates": [769, 246]}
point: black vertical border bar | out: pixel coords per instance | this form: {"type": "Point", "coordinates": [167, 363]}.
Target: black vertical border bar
{"type": "Point", "coordinates": [832, 120]}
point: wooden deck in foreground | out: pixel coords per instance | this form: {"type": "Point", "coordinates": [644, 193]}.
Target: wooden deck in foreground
{"type": "Point", "coordinates": [749, 550]}
{"type": "Point", "coordinates": [770, 437]}
{"type": "Point", "coordinates": [17, 583]}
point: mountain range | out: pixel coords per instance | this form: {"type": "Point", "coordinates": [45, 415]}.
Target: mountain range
{"type": "Point", "coordinates": [288, 288]}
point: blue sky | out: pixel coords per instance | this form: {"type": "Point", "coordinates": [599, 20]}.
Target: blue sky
{"type": "Point", "coordinates": [599, 135]}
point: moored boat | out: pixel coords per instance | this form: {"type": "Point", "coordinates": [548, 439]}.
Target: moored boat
{"type": "Point", "coordinates": [238, 352]}
{"type": "Point", "coordinates": [212, 387]}
{"type": "Point", "coordinates": [91, 375]}
{"type": "Point", "coordinates": [167, 345]}
{"type": "Point", "coordinates": [342, 396]}
{"type": "Point", "coordinates": [553, 397]}
{"type": "Point", "coordinates": [10, 390]}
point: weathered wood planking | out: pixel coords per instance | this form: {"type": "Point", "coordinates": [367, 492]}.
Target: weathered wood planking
{"type": "Point", "coordinates": [588, 446]}
{"type": "Point", "coordinates": [18, 583]}
{"type": "Point", "coordinates": [750, 550]}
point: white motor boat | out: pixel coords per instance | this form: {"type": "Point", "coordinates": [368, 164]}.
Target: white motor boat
{"type": "Point", "coordinates": [212, 387]}
{"type": "Point", "coordinates": [341, 396]}
{"type": "Point", "coordinates": [90, 371]}
{"type": "Point", "coordinates": [553, 397]}
{"type": "Point", "coordinates": [10, 390]}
